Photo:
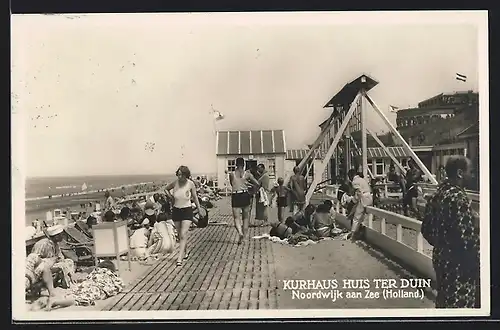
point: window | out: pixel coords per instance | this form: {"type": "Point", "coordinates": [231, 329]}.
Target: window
{"type": "Point", "coordinates": [272, 167]}
{"type": "Point", "coordinates": [379, 167]}
{"type": "Point", "coordinates": [231, 165]}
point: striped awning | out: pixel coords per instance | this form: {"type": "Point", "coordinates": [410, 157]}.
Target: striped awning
{"type": "Point", "coordinates": [398, 152]}
{"type": "Point", "coordinates": [299, 154]}
{"type": "Point", "coordinates": [250, 142]}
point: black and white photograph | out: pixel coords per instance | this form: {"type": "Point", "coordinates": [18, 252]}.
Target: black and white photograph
{"type": "Point", "coordinates": [250, 165]}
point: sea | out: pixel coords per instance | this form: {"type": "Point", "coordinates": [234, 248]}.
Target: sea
{"type": "Point", "coordinates": [45, 186]}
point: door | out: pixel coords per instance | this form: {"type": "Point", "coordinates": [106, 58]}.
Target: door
{"type": "Point", "coordinates": [249, 164]}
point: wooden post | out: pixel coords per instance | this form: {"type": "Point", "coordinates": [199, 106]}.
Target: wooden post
{"type": "Point", "coordinates": [332, 147]}
{"type": "Point", "coordinates": [405, 144]}
{"type": "Point", "coordinates": [357, 149]}
{"type": "Point", "coordinates": [375, 137]}
{"type": "Point", "coordinates": [364, 143]}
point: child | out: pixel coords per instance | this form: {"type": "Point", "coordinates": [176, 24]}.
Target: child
{"type": "Point", "coordinates": [282, 194]}
{"type": "Point", "coordinates": [322, 221]}
{"type": "Point", "coordinates": [332, 212]}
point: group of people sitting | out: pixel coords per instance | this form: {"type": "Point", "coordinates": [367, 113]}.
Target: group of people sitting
{"type": "Point", "coordinates": [314, 222]}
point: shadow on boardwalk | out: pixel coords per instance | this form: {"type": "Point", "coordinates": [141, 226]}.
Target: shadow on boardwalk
{"type": "Point", "coordinates": [223, 275]}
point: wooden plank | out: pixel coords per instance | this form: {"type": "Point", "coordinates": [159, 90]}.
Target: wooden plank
{"type": "Point", "coordinates": [119, 305]}
{"type": "Point", "coordinates": [159, 301]}
{"type": "Point", "coordinates": [135, 298]}
{"type": "Point", "coordinates": [178, 301]}
{"type": "Point", "coordinates": [148, 305]}
{"type": "Point", "coordinates": [113, 301]}
{"type": "Point", "coordinates": [171, 296]}
{"type": "Point", "coordinates": [144, 298]}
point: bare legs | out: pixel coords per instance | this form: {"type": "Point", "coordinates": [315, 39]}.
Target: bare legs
{"type": "Point", "coordinates": [280, 213]}
{"type": "Point", "coordinates": [241, 221]}
{"type": "Point", "coordinates": [182, 230]}
{"type": "Point", "coordinates": [246, 219]}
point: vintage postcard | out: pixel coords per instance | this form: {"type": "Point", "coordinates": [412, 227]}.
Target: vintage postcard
{"type": "Point", "coordinates": [250, 165]}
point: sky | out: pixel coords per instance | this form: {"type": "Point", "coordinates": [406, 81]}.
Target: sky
{"type": "Point", "coordinates": [132, 94]}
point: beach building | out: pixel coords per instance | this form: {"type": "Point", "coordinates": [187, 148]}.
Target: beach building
{"type": "Point", "coordinates": [293, 158]}
{"type": "Point", "coordinates": [379, 161]}
{"type": "Point", "coordinates": [266, 147]}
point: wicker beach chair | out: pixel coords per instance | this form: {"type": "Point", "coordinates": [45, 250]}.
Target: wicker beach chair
{"type": "Point", "coordinates": [84, 228]}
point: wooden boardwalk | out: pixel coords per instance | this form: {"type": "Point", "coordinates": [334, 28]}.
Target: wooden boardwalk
{"type": "Point", "coordinates": [219, 274]}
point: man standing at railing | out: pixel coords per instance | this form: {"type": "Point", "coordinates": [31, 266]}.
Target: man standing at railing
{"type": "Point", "coordinates": [449, 226]}
{"type": "Point", "coordinates": [410, 190]}
{"type": "Point", "coordinates": [361, 198]}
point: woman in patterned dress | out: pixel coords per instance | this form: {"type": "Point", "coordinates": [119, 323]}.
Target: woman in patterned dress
{"type": "Point", "coordinates": [449, 226]}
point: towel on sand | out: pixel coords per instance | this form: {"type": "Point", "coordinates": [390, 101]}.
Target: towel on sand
{"type": "Point", "coordinates": [300, 243]}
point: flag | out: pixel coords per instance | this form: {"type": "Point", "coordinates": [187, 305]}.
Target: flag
{"type": "Point", "coordinates": [393, 108]}
{"type": "Point", "coordinates": [218, 115]}
{"type": "Point", "coordinates": [461, 77]}
{"type": "Point", "coordinates": [84, 186]}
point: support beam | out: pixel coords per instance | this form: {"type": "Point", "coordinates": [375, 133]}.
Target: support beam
{"type": "Point", "coordinates": [357, 149]}
{"type": "Point", "coordinates": [318, 141]}
{"type": "Point", "coordinates": [375, 137]}
{"type": "Point", "coordinates": [405, 144]}
{"type": "Point", "coordinates": [332, 147]}
{"type": "Point", "coordinates": [364, 143]}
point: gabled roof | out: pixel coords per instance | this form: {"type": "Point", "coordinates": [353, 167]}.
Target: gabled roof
{"type": "Point", "coordinates": [347, 94]}
{"type": "Point", "coordinates": [251, 142]}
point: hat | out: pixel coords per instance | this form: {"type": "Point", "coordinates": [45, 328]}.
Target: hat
{"type": "Point", "coordinates": [149, 208]}
{"type": "Point", "coordinates": [54, 230]}
{"type": "Point", "coordinates": [145, 222]}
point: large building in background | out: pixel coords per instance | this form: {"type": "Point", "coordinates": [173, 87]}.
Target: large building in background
{"type": "Point", "coordinates": [442, 126]}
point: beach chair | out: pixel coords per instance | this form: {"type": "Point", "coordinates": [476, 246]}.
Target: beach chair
{"type": "Point", "coordinates": [77, 246]}
{"type": "Point", "coordinates": [84, 228]}
{"type": "Point", "coordinates": [76, 236]}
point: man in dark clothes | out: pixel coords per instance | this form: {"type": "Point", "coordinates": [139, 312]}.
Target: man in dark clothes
{"type": "Point", "coordinates": [410, 192]}
{"type": "Point", "coordinates": [451, 227]}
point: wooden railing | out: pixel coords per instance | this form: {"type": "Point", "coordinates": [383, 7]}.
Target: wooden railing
{"type": "Point", "coordinates": [395, 234]}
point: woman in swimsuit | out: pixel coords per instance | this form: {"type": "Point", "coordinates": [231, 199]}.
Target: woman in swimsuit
{"type": "Point", "coordinates": [240, 197]}
{"type": "Point", "coordinates": [181, 191]}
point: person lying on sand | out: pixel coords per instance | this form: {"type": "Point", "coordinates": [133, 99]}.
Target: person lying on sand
{"type": "Point", "coordinates": [101, 283]}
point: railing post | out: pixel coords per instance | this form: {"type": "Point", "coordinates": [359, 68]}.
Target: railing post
{"type": "Point", "coordinates": [420, 242]}
{"type": "Point", "coordinates": [386, 191]}
{"type": "Point", "coordinates": [370, 220]}
{"type": "Point", "coordinates": [399, 233]}
{"type": "Point", "coordinates": [383, 226]}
